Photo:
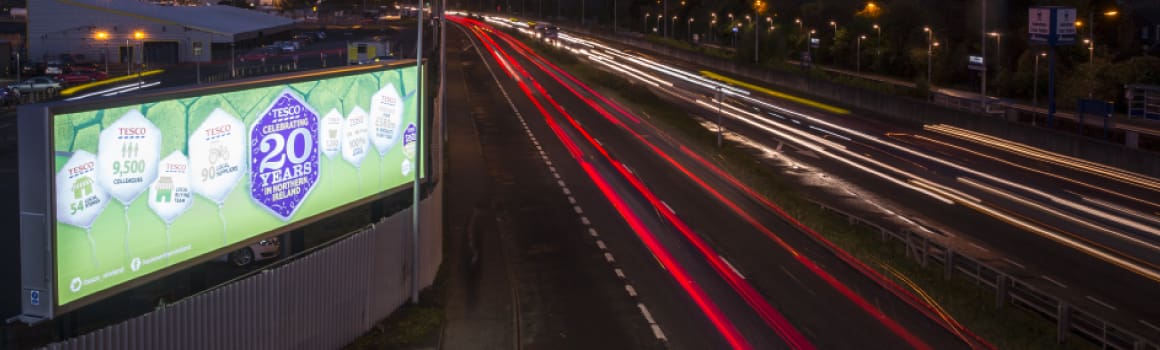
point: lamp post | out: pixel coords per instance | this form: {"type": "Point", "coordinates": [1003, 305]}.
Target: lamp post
{"type": "Point", "coordinates": [1035, 87]}
{"type": "Point", "coordinates": [689, 28]}
{"type": "Point", "coordinates": [998, 50]}
{"type": "Point", "coordinates": [645, 29]}
{"type": "Point", "coordinates": [103, 37]}
{"type": "Point", "coordinates": [661, 18]}
{"type": "Point", "coordinates": [756, 39]}
{"type": "Point", "coordinates": [140, 36]}
{"type": "Point", "coordinates": [673, 23]}
{"type": "Point", "coordinates": [929, 49]}
{"type": "Point", "coordinates": [799, 23]}
{"type": "Point", "coordinates": [858, 53]}
{"type": "Point", "coordinates": [878, 45]}
{"type": "Point", "coordinates": [810, 46]}
{"type": "Point", "coordinates": [835, 25]}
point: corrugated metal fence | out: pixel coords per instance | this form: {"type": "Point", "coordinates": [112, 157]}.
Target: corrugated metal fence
{"type": "Point", "coordinates": [323, 300]}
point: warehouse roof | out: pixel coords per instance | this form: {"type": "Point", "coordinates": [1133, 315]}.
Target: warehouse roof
{"type": "Point", "coordinates": [224, 20]}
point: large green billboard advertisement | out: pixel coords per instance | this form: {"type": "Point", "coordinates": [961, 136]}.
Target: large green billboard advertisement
{"type": "Point", "coordinates": [142, 187]}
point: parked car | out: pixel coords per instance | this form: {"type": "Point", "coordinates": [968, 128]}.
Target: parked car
{"type": "Point", "coordinates": [80, 76]}
{"type": "Point", "coordinates": [9, 97]}
{"type": "Point", "coordinates": [36, 84]}
{"type": "Point", "coordinates": [53, 68]}
{"type": "Point", "coordinates": [256, 55]}
{"type": "Point", "coordinates": [265, 249]}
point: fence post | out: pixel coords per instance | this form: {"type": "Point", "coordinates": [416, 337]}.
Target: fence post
{"type": "Point", "coordinates": [1063, 318]}
{"type": "Point", "coordinates": [949, 263]}
{"type": "Point", "coordinates": [1000, 291]}
{"type": "Point", "coordinates": [925, 250]}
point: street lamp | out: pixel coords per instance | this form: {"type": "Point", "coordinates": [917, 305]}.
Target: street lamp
{"type": "Point", "coordinates": [929, 50]}
{"type": "Point", "coordinates": [1091, 49]}
{"type": "Point", "coordinates": [103, 37]}
{"type": "Point", "coordinates": [878, 45]}
{"type": "Point", "coordinates": [835, 25]}
{"type": "Point", "coordinates": [690, 28]}
{"type": "Point", "coordinates": [646, 22]}
{"type": "Point", "coordinates": [799, 23]}
{"type": "Point", "coordinates": [1035, 87]}
{"type": "Point", "coordinates": [858, 53]}
{"type": "Point", "coordinates": [671, 24]}
{"type": "Point", "coordinates": [998, 50]}
{"type": "Point", "coordinates": [810, 46]}
{"type": "Point", "coordinates": [140, 36]}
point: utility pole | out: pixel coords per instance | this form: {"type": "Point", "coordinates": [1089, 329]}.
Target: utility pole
{"type": "Point", "coordinates": [983, 30]}
{"type": "Point", "coordinates": [415, 185]}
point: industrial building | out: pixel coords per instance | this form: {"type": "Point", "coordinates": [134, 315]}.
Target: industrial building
{"type": "Point", "coordinates": [136, 32]}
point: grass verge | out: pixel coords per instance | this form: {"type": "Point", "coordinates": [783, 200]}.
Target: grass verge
{"type": "Point", "coordinates": [411, 326]}
{"type": "Point", "coordinates": [970, 304]}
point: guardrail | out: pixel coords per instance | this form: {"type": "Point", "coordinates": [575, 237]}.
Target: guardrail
{"type": "Point", "coordinates": [1009, 290]}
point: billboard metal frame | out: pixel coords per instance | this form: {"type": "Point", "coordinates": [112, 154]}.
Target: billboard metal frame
{"type": "Point", "coordinates": [37, 203]}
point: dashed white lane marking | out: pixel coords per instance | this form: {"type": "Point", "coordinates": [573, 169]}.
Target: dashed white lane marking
{"type": "Point", "coordinates": [658, 332]}
{"type": "Point", "coordinates": [577, 209]}
{"type": "Point", "coordinates": [572, 200]}
{"type": "Point", "coordinates": [738, 272]}
{"type": "Point", "coordinates": [644, 311]}
{"type": "Point", "coordinates": [652, 323]}
{"type": "Point", "coordinates": [1101, 302]}
{"type": "Point", "coordinates": [660, 335]}
{"type": "Point", "coordinates": [1061, 285]}
{"type": "Point", "coordinates": [1012, 262]}
{"type": "Point", "coordinates": [979, 246]}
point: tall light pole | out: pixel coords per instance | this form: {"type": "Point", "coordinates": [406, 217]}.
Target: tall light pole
{"type": "Point", "coordinates": [646, 22]}
{"type": "Point", "coordinates": [673, 23]}
{"type": "Point", "coordinates": [929, 50]}
{"type": "Point", "coordinates": [1035, 87]}
{"type": "Point", "coordinates": [103, 37]}
{"type": "Point", "coordinates": [799, 23]}
{"type": "Point", "coordinates": [140, 36]}
{"type": "Point", "coordinates": [415, 186]}
{"type": "Point", "coordinates": [756, 39]}
{"type": "Point", "coordinates": [689, 28]}
{"type": "Point", "coordinates": [835, 25]}
{"type": "Point", "coordinates": [878, 44]}
{"type": "Point", "coordinates": [998, 50]}
{"type": "Point", "coordinates": [810, 46]}
{"type": "Point", "coordinates": [858, 53]}
{"type": "Point", "coordinates": [664, 13]}
{"type": "Point", "coordinates": [983, 28]}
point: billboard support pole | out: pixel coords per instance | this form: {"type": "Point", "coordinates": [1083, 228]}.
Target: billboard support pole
{"type": "Point", "coordinates": [418, 162]}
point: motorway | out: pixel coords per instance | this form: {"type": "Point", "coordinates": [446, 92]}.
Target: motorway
{"type": "Point", "coordinates": [1081, 230]}
{"type": "Point", "coordinates": [702, 252]}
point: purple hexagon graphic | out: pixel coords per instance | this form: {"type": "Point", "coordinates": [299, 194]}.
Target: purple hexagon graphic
{"type": "Point", "coordinates": [284, 155]}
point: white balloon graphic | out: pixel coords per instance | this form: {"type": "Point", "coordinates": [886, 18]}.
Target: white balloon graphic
{"type": "Point", "coordinates": [170, 195]}
{"type": "Point", "coordinates": [354, 137]}
{"type": "Point", "coordinates": [217, 155]}
{"type": "Point", "coordinates": [79, 200]}
{"type": "Point", "coordinates": [127, 156]}
{"type": "Point", "coordinates": [331, 129]}
{"type": "Point", "coordinates": [386, 118]}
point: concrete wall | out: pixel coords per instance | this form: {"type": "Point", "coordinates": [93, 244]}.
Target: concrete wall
{"type": "Point", "coordinates": [916, 111]}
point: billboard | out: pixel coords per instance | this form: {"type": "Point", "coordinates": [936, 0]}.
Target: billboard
{"type": "Point", "coordinates": [141, 186]}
